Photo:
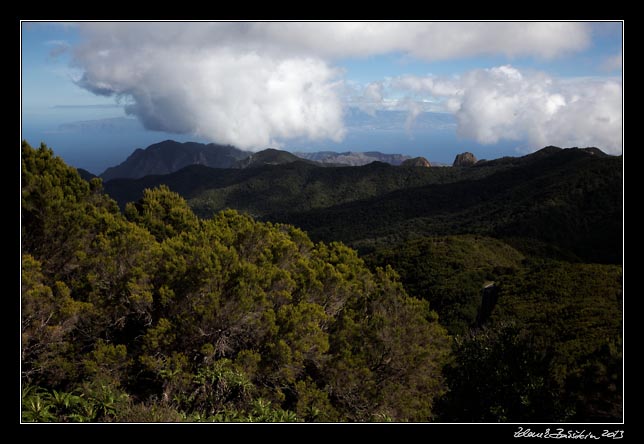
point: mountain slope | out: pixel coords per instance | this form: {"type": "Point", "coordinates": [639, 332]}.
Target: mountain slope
{"type": "Point", "coordinates": [269, 156]}
{"type": "Point", "coordinates": [170, 156]}
{"type": "Point", "coordinates": [564, 203]}
{"type": "Point", "coordinates": [351, 158]}
{"type": "Point", "coordinates": [269, 190]}
{"type": "Point", "coordinates": [571, 199]}
{"type": "Point", "coordinates": [85, 175]}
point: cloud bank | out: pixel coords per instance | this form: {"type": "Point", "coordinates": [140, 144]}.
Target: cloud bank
{"type": "Point", "coordinates": [175, 84]}
{"type": "Point", "coordinates": [434, 41]}
{"type": "Point", "coordinates": [505, 103]}
{"type": "Point", "coordinates": [256, 84]}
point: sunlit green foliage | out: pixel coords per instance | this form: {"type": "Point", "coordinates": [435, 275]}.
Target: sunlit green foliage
{"type": "Point", "coordinates": [156, 315]}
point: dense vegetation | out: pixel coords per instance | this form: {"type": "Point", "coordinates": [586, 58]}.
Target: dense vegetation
{"type": "Point", "coordinates": [488, 293]}
{"type": "Point", "coordinates": [451, 272]}
{"type": "Point", "coordinates": [157, 315]}
{"type": "Point", "coordinates": [520, 200]}
{"type": "Point", "coordinates": [536, 340]}
{"type": "Point", "coordinates": [554, 203]}
{"type": "Point", "coordinates": [271, 191]}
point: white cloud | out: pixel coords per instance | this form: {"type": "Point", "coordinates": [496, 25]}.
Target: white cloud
{"type": "Point", "coordinates": [373, 92]}
{"type": "Point", "coordinates": [426, 40]}
{"type": "Point", "coordinates": [242, 98]}
{"type": "Point", "coordinates": [254, 84]}
{"type": "Point", "coordinates": [505, 103]}
{"type": "Point", "coordinates": [368, 98]}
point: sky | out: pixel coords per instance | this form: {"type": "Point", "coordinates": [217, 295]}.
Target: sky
{"type": "Point", "coordinates": [95, 91]}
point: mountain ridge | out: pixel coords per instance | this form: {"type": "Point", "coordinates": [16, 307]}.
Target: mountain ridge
{"type": "Point", "coordinates": [353, 158]}
{"type": "Point", "coordinates": [344, 203]}
{"type": "Point", "coordinates": [520, 259]}
{"type": "Point", "coordinates": [574, 189]}
{"type": "Point", "coordinates": [271, 156]}
{"type": "Point", "coordinates": [170, 156]}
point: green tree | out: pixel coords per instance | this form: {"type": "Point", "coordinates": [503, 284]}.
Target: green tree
{"type": "Point", "coordinates": [159, 314]}
{"type": "Point", "coordinates": [163, 213]}
{"type": "Point", "coordinates": [49, 320]}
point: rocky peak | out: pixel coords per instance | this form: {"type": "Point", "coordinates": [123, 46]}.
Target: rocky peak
{"type": "Point", "coordinates": [416, 162]}
{"type": "Point", "coordinates": [464, 159]}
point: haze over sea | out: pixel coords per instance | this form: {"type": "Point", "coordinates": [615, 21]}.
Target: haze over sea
{"type": "Point", "coordinates": [112, 139]}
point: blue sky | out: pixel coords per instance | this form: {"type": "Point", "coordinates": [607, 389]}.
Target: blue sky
{"type": "Point", "coordinates": [509, 88]}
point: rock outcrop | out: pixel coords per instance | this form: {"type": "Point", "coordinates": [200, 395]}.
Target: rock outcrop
{"type": "Point", "coordinates": [416, 162]}
{"type": "Point", "coordinates": [464, 160]}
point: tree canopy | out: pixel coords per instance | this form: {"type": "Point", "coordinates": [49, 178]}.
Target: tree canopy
{"type": "Point", "coordinates": [157, 315]}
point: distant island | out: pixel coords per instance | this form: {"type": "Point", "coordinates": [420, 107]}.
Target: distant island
{"type": "Point", "coordinates": [170, 156]}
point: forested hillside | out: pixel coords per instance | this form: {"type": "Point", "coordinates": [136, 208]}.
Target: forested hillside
{"type": "Point", "coordinates": [489, 293]}
{"type": "Point", "coordinates": [555, 202]}
{"type": "Point", "coordinates": [269, 191]}
{"type": "Point", "coordinates": [534, 339]}
{"type": "Point", "coordinates": [157, 315]}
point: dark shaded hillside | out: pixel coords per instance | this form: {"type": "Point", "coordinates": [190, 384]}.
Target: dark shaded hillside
{"type": "Point", "coordinates": [169, 156]}
{"type": "Point", "coordinates": [552, 350]}
{"type": "Point", "coordinates": [281, 189]}
{"type": "Point", "coordinates": [571, 199]}
{"type": "Point", "coordinates": [85, 175]}
{"type": "Point", "coordinates": [277, 192]}
{"type": "Point", "coordinates": [188, 181]}
{"type": "Point", "coordinates": [564, 203]}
